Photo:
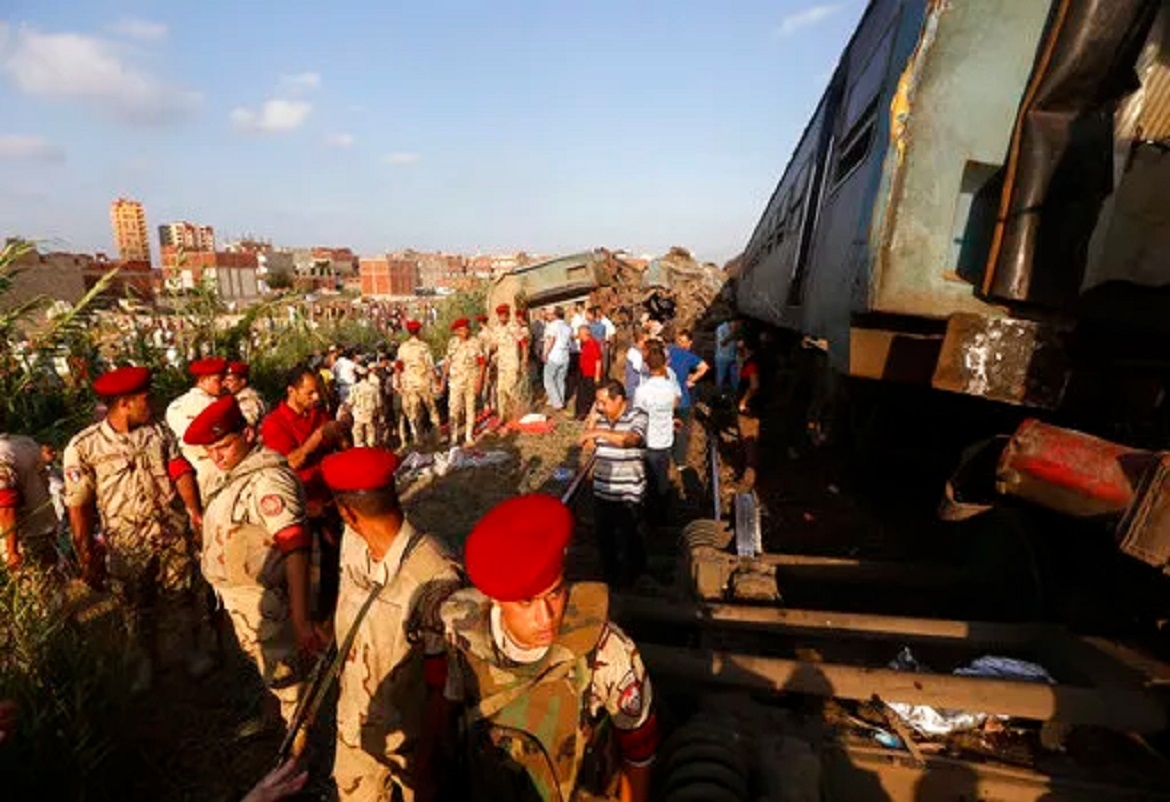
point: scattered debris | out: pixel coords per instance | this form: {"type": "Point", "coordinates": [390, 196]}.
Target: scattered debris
{"type": "Point", "coordinates": [932, 721]}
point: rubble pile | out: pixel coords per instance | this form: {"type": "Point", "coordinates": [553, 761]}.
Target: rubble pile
{"type": "Point", "coordinates": [674, 288]}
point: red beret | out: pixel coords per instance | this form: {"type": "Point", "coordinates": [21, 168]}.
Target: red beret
{"type": "Point", "coordinates": [413, 326]}
{"type": "Point", "coordinates": [481, 318]}
{"type": "Point", "coordinates": [219, 419]}
{"type": "Point", "coordinates": [518, 549]}
{"type": "Point", "coordinates": [358, 469]}
{"type": "Point", "coordinates": [503, 309]}
{"type": "Point", "coordinates": [122, 381]}
{"type": "Point", "coordinates": [208, 367]}
{"type": "Point", "coordinates": [237, 369]}
{"type": "Point", "coordinates": [461, 323]}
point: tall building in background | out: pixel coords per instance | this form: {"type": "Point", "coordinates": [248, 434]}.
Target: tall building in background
{"type": "Point", "coordinates": [188, 236]}
{"type": "Point", "coordinates": [128, 219]}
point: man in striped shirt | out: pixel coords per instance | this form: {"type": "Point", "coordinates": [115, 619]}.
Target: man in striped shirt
{"type": "Point", "coordinates": [619, 483]}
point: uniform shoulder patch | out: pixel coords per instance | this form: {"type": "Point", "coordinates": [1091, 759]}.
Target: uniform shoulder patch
{"type": "Point", "coordinates": [630, 696]}
{"type": "Point", "coordinates": [271, 505]}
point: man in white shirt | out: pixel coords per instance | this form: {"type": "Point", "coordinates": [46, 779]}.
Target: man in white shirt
{"type": "Point", "coordinates": [557, 339]}
{"type": "Point", "coordinates": [659, 397]}
{"type": "Point", "coordinates": [576, 321]}
{"type": "Point", "coordinates": [344, 376]}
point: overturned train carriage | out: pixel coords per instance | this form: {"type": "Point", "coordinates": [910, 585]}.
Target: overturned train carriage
{"type": "Point", "coordinates": [981, 200]}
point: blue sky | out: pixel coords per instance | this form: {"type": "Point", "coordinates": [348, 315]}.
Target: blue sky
{"type": "Point", "coordinates": [461, 126]}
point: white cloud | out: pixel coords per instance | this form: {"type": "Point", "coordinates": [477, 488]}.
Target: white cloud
{"type": "Point", "coordinates": [71, 66]}
{"type": "Point", "coordinates": [301, 82]}
{"type": "Point", "coordinates": [401, 159]}
{"type": "Point", "coordinates": [806, 18]}
{"type": "Point", "coordinates": [275, 116]}
{"type": "Point", "coordinates": [16, 147]}
{"type": "Point", "coordinates": [339, 140]}
{"type": "Point", "coordinates": [140, 29]}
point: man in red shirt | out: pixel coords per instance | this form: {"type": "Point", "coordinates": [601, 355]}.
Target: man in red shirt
{"type": "Point", "coordinates": [589, 362]}
{"type": "Point", "coordinates": [302, 430]}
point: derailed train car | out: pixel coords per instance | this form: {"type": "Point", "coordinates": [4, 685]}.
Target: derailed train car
{"type": "Point", "coordinates": [981, 200]}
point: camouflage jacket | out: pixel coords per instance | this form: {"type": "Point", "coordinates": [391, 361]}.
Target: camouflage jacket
{"type": "Point", "coordinates": [463, 358]}
{"type": "Point", "coordinates": [536, 715]}
{"type": "Point", "coordinates": [380, 707]}
{"type": "Point", "coordinates": [418, 366]}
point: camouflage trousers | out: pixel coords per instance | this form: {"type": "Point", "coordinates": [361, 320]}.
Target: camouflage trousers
{"type": "Point", "coordinates": [156, 584]}
{"type": "Point", "coordinates": [461, 407]}
{"type": "Point", "coordinates": [508, 393]}
{"type": "Point", "coordinates": [365, 433]}
{"type": "Point", "coordinates": [263, 627]}
{"type": "Point", "coordinates": [361, 778]}
{"type": "Point", "coordinates": [413, 404]}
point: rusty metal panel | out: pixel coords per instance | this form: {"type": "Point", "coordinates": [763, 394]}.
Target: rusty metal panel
{"type": "Point", "coordinates": [1069, 471]}
{"type": "Point", "coordinates": [1144, 532]}
{"type": "Point", "coordinates": [1004, 359]}
{"type": "Point", "coordinates": [953, 112]}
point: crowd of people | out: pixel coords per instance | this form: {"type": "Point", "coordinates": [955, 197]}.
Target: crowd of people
{"type": "Point", "coordinates": [288, 517]}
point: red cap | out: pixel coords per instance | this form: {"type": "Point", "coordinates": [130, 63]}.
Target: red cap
{"type": "Point", "coordinates": [399, 364]}
{"type": "Point", "coordinates": [122, 381]}
{"type": "Point", "coordinates": [358, 469]}
{"type": "Point", "coordinates": [219, 419]}
{"type": "Point", "coordinates": [503, 309]}
{"type": "Point", "coordinates": [237, 369]}
{"type": "Point", "coordinates": [481, 318]}
{"type": "Point", "coordinates": [209, 366]}
{"type": "Point", "coordinates": [413, 326]}
{"type": "Point", "coordinates": [518, 549]}
{"type": "Point", "coordinates": [461, 323]}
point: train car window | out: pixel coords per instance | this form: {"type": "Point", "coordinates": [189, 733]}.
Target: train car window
{"type": "Point", "coordinates": [856, 146]}
{"type": "Point", "coordinates": [866, 83]}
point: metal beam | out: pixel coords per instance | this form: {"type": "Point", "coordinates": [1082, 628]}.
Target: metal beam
{"type": "Point", "coordinates": [866, 774]}
{"type": "Point", "coordinates": [1114, 708]}
{"type": "Point", "coordinates": [826, 623]}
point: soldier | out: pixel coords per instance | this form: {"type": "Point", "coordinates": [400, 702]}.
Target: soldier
{"type": "Point", "coordinates": [208, 375]}
{"type": "Point", "coordinates": [365, 402]}
{"type": "Point", "coordinates": [398, 650]}
{"type": "Point", "coordinates": [418, 380]}
{"type": "Point", "coordinates": [128, 471]}
{"type": "Point", "coordinates": [256, 549]}
{"type": "Point", "coordinates": [486, 395]}
{"type": "Point", "coordinates": [28, 522]}
{"type": "Point", "coordinates": [537, 667]}
{"type": "Point", "coordinates": [303, 432]}
{"type": "Point", "coordinates": [235, 381]}
{"type": "Point", "coordinates": [506, 341]}
{"type": "Point", "coordinates": [463, 372]}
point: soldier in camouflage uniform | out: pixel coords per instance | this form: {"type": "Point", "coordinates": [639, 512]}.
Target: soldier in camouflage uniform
{"type": "Point", "coordinates": [235, 381]}
{"type": "Point", "coordinates": [28, 522]}
{"type": "Point", "coordinates": [486, 396]}
{"type": "Point", "coordinates": [208, 375]}
{"type": "Point", "coordinates": [396, 670]}
{"type": "Point", "coordinates": [256, 549]}
{"type": "Point", "coordinates": [463, 372]}
{"type": "Point", "coordinates": [365, 402]}
{"type": "Point", "coordinates": [128, 471]}
{"type": "Point", "coordinates": [538, 668]}
{"type": "Point", "coordinates": [505, 341]}
{"type": "Point", "coordinates": [417, 377]}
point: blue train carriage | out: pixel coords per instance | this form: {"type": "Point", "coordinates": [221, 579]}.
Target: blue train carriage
{"type": "Point", "coordinates": [981, 180]}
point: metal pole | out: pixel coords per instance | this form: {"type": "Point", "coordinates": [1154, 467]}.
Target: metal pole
{"type": "Point", "coordinates": [575, 485]}
{"type": "Point", "coordinates": [825, 623]}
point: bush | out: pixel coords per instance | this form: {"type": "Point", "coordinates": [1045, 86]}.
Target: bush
{"type": "Point", "coordinates": [69, 682]}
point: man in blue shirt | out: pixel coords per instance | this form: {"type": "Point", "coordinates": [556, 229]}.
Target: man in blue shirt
{"type": "Point", "coordinates": [689, 369]}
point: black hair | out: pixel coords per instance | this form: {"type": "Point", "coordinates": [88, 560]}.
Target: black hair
{"type": "Point", "coordinates": [613, 388]}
